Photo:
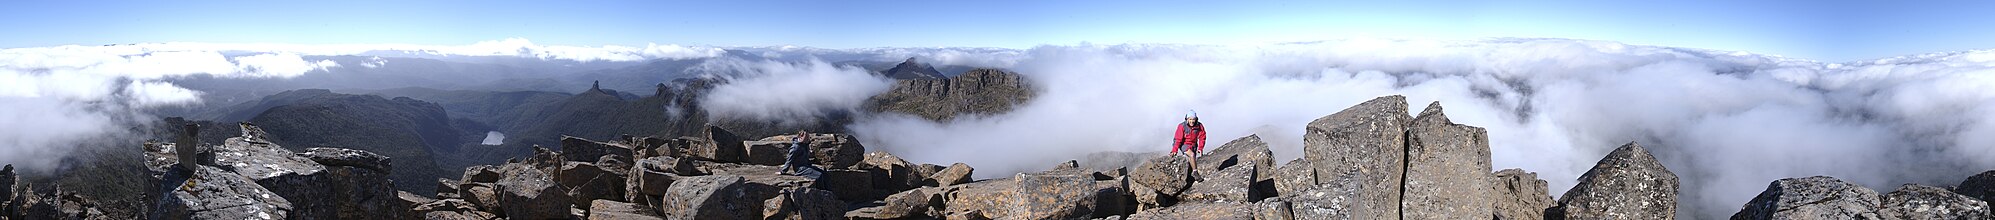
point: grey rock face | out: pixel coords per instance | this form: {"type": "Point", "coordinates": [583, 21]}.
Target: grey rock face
{"type": "Point", "coordinates": [1234, 184]}
{"type": "Point", "coordinates": [909, 204]}
{"type": "Point", "coordinates": [283, 173]}
{"type": "Point", "coordinates": [724, 146]}
{"type": "Point", "coordinates": [710, 197]}
{"type": "Point", "coordinates": [213, 193]}
{"type": "Point", "coordinates": [1367, 143]}
{"type": "Point", "coordinates": [1913, 201]}
{"type": "Point", "coordinates": [480, 174]}
{"type": "Point", "coordinates": [614, 210]}
{"type": "Point", "coordinates": [1249, 150]}
{"type": "Point", "coordinates": [891, 173]}
{"type": "Point", "coordinates": [1980, 186]}
{"type": "Point", "coordinates": [804, 204]}
{"type": "Point", "coordinates": [1165, 174]}
{"type": "Point", "coordinates": [1447, 168]}
{"type": "Point", "coordinates": [1331, 200]}
{"type": "Point", "coordinates": [585, 150]}
{"type": "Point", "coordinates": [360, 185]}
{"type": "Point", "coordinates": [1520, 195]}
{"type": "Point", "coordinates": [1052, 197]}
{"type": "Point", "coordinates": [767, 153]}
{"type": "Point", "coordinates": [979, 91]}
{"type": "Point", "coordinates": [531, 194]}
{"type": "Point", "coordinates": [1818, 197]}
{"type": "Point", "coordinates": [586, 183]}
{"type": "Point", "coordinates": [1221, 210]}
{"type": "Point", "coordinates": [1294, 176]}
{"type": "Point", "coordinates": [958, 173]}
{"type": "Point", "coordinates": [1627, 184]}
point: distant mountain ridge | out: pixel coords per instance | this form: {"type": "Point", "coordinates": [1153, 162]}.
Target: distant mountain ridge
{"type": "Point", "coordinates": [979, 91]}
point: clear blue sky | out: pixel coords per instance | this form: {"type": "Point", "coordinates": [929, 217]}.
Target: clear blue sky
{"type": "Point", "coordinates": [1822, 30]}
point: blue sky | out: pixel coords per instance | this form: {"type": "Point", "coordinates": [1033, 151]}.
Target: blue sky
{"type": "Point", "coordinates": [1821, 30]}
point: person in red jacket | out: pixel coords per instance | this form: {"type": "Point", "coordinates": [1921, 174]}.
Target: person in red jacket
{"type": "Point", "coordinates": [1190, 138]}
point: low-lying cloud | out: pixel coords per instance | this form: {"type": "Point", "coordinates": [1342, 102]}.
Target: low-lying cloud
{"type": "Point", "coordinates": [1727, 122]}
{"type": "Point", "coordinates": [786, 91]}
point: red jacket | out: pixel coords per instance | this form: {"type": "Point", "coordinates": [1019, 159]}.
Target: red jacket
{"type": "Point", "coordinates": [1193, 134]}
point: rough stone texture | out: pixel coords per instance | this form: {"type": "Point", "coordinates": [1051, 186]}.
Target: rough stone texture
{"type": "Point", "coordinates": [1273, 209]}
{"type": "Point", "coordinates": [1980, 186]}
{"type": "Point", "coordinates": [723, 145]}
{"type": "Point", "coordinates": [1165, 174]}
{"type": "Point", "coordinates": [216, 194]}
{"type": "Point", "coordinates": [1112, 198]}
{"type": "Point", "coordinates": [480, 174]}
{"type": "Point", "coordinates": [360, 185]}
{"type": "Point", "coordinates": [647, 187]}
{"type": "Point", "coordinates": [1818, 197]}
{"type": "Point", "coordinates": [1367, 142]}
{"type": "Point", "coordinates": [1052, 197]}
{"type": "Point", "coordinates": [1222, 210]}
{"type": "Point", "coordinates": [1913, 201]}
{"type": "Point", "coordinates": [1332, 200]}
{"type": "Point", "coordinates": [804, 204]}
{"type": "Point", "coordinates": [614, 210]}
{"type": "Point", "coordinates": [1520, 195]}
{"type": "Point", "coordinates": [9, 207]}
{"type": "Point", "coordinates": [988, 198]}
{"type": "Point", "coordinates": [890, 173]}
{"type": "Point", "coordinates": [585, 150]}
{"type": "Point", "coordinates": [1447, 168]}
{"type": "Point", "coordinates": [482, 195]}
{"type": "Point", "coordinates": [531, 194]}
{"type": "Point", "coordinates": [456, 206]}
{"type": "Point", "coordinates": [710, 197]}
{"type": "Point", "coordinates": [1249, 150]}
{"type": "Point", "coordinates": [1294, 176]}
{"type": "Point", "coordinates": [768, 153]}
{"type": "Point", "coordinates": [848, 184]}
{"type": "Point", "coordinates": [907, 204]}
{"type": "Point", "coordinates": [1234, 184]}
{"type": "Point", "coordinates": [587, 182]}
{"type": "Point", "coordinates": [447, 188]}
{"type": "Point", "coordinates": [282, 172]}
{"type": "Point", "coordinates": [1627, 184]}
{"type": "Point", "coordinates": [958, 173]}
{"type": "Point", "coordinates": [926, 170]}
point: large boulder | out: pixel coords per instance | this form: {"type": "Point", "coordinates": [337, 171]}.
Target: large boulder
{"type": "Point", "coordinates": [1818, 197]}
{"type": "Point", "coordinates": [1249, 150]}
{"type": "Point", "coordinates": [585, 150]}
{"type": "Point", "coordinates": [1627, 184]}
{"type": "Point", "coordinates": [1364, 143]}
{"type": "Point", "coordinates": [1221, 210]}
{"type": "Point", "coordinates": [723, 146]}
{"type": "Point", "coordinates": [890, 173]}
{"type": "Point", "coordinates": [803, 204]}
{"type": "Point", "coordinates": [213, 193]}
{"type": "Point", "coordinates": [1913, 201]}
{"type": "Point", "coordinates": [1520, 195]}
{"type": "Point", "coordinates": [587, 182]}
{"type": "Point", "coordinates": [614, 210]}
{"type": "Point", "coordinates": [1234, 184]}
{"type": "Point", "coordinates": [848, 184]}
{"type": "Point", "coordinates": [481, 174]}
{"type": "Point", "coordinates": [482, 195]}
{"type": "Point", "coordinates": [531, 194]}
{"type": "Point", "coordinates": [305, 183]}
{"type": "Point", "coordinates": [770, 153]}
{"type": "Point", "coordinates": [647, 186]}
{"type": "Point", "coordinates": [909, 204]}
{"type": "Point", "coordinates": [1331, 200]}
{"type": "Point", "coordinates": [1447, 168]}
{"type": "Point", "coordinates": [1980, 186]}
{"type": "Point", "coordinates": [1052, 197]}
{"type": "Point", "coordinates": [710, 197]}
{"type": "Point", "coordinates": [1294, 176]}
{"type": "Point", "coordinates": [957, 173]}
{"type": "Point", "coordinates": [360, 185]}
{"type": "Point", "coordinates": [1166, 174]}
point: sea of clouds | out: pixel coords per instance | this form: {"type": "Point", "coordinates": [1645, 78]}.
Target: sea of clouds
{"type": "Point", "coordinates": [1726, 122]}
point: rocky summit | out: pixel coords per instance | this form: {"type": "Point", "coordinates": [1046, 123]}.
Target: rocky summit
{"type": "Point", "coordinates": [1373, 160]}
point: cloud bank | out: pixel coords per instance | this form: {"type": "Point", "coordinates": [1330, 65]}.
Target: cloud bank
{"type": "Point", "coordinates": [1728, 122]}
{"type": "Point", "coordinates": [786, 92]}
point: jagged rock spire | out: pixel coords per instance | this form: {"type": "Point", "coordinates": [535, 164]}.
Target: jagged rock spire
{"type": "Point", "coordinates": [596, 86]}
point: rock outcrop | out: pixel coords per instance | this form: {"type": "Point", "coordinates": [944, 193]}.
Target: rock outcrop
{"type": "Point", "coordinates": [1980, 186]}
{"type": "Point", "coordinates": [1447, 168]}
{"type": "Point", "coordinates": [1520, 195]}
{"type": "Point", "coordinates": [1913, 201]}
{"type": "Point", "coordinates": [979, 91]}
{"type": "Point", "coordinates": [1366, 144]}
{"type": "Point", "coordinates": [1628, 184]}
{"type": "Point", "coordinates": [711, 197]}
{"type": "Point", "coordinates": [1818, 197]}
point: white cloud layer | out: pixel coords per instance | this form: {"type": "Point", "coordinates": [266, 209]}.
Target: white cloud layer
{"type": "Point", "coordinates": [780, 91]}
{"type": "Point", "coordinates": [1727, 122]}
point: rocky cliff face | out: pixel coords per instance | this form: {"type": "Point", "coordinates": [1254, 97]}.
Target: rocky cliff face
{"type": "Point", "coordinates": [913, 69]}
{"type": "Point", "coordinates": [980, 91]}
